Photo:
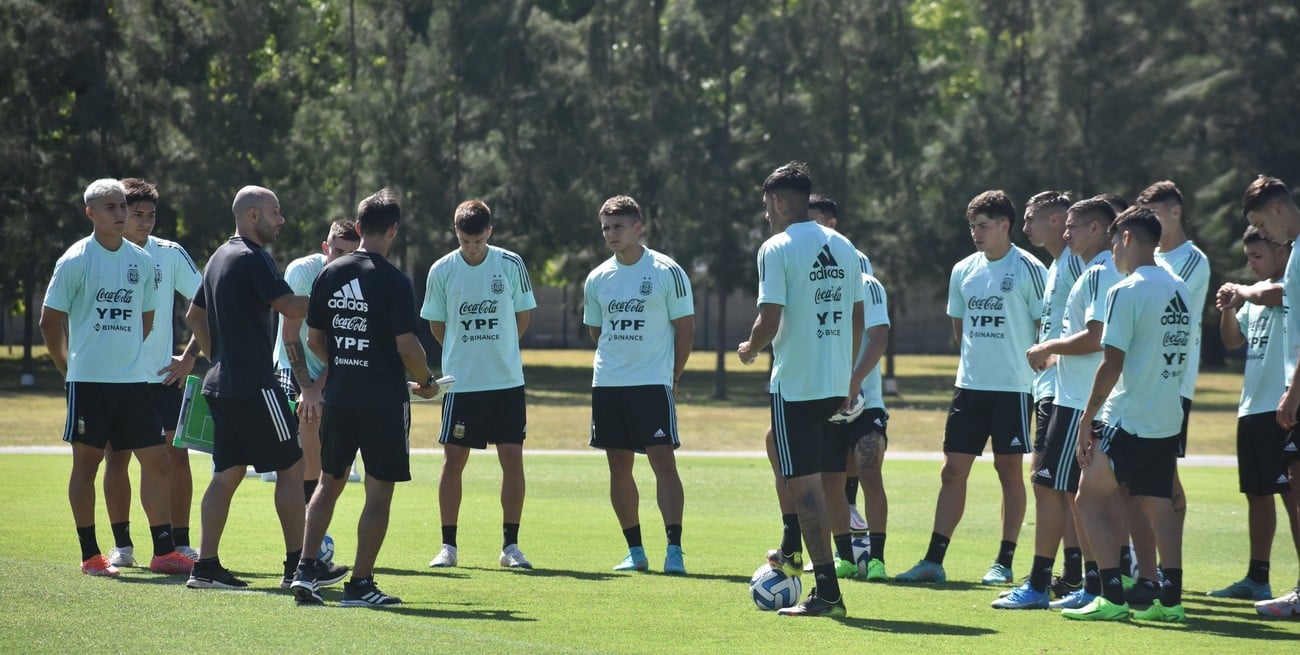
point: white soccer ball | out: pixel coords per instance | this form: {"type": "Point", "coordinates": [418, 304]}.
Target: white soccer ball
{"type": "Point", "coordinates": [861, 554]}
{"type": "Point", "coordinates": [326, 552]}
{"type": "Point", "coordinates": [772, 589]}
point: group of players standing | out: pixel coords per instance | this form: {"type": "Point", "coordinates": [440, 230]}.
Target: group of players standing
{"type": "Point", "coordinates": [1105, 342]}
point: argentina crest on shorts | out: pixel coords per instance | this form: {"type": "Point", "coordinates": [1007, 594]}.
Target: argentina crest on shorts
{"type": "Point", "coordinates": [646, 286]}
{"type": "Point", "coordinates": [1008, 284]}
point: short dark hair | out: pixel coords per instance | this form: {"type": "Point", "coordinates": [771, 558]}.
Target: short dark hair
{"type": "Point", "coordinates": [1253, 235]}
{"type": "Point", "coordinates": [1259, 194]}
{"type": "Point", "coordinates": [138, 190]}
{"type": "Point", "coordinates": [793, 176]}
{"type": "Point", "coordinates": [1116, 201]}
{"type": "Point", "coordinates": [1050, 200]}
{"type": "Point", "coordinates": [824, 205]}
{"type": "Point", "coordinates": [345, 229]}
{"type": "Point", "coordinates": [1138, 220]}
{"type": "Point", "coordinates": [1162, 191]}
{"type": "Point", "coordinates": [1094, 209]}
{"type": "Point", "coordinates": [994, 204]}
{"type": "Point", "coordinates": [378, 212]}
{"type": "Point", "coordinates": [621, 206]}
{"type": "Point", "coordinates": [473, 217]}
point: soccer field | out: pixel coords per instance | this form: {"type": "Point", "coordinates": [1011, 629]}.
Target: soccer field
{"type": "Point", "coordinates": [573, 602]}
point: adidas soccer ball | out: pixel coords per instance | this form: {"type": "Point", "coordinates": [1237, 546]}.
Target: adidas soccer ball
{"type": "Point", "coordinates": [861, 554]}
{"type": "Point", "coordinates": [772, 589]}
{"type": "Point", "coordinates": [326, 552]}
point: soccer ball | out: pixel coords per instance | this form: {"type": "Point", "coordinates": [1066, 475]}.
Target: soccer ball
{"type": "Point", "coordinates": [772, 589]}
{"type": "Point", "coordinates": [326, 552]}
{"type": "Point", "coordinates": [861, 554]}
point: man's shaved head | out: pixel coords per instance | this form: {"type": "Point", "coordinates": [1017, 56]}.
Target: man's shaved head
{"type": "Point", "coordinates": [250, 197]}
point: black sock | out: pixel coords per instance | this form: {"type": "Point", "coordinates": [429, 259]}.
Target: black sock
{"type": "Point", "coordinates": [162, 539]}
{"type": "Point", "coordinates": [938, 548]}
{"type": "Point", "coordinates": [449, 535]}
{"type": "Point", "coordinates": [1125, 559]}
{"type": "Point", "coordinates": [844, 546]}
{"type": "Point", "coordinates": [1041, 574]}
{"type": "Point", "coordinates": [1006, 553]}
{"type": "Point", "coordinates": [674, 533]}
{"type": "Point", "coordinates": [180, 537]}
{"type": "Point", "coordinates": [509, 534]}
{"type": "Point", "coordinates": [1258, 571]}
{"type": "Point", "coordinates": [208, 564]}
{"type": "Point", "coordinates": [1112, 588]}
{"type": "Point", "coordinates": [1171, 591]}
{"type": "Point", "coordinates": [368, 580]}
{"type": "Point", "coordinates": [89, 545]}
{"type": "Point", "coordinates": [828, 586]}
{"type": "Point", "coordinates": [877, 545]}
{"type": "Point", "coordinates": [308, 488]}
{"type": "Point", "coordinates": [122, 534]}
{"type": "Point", "coordinates": [1073, 572]}
{"type": "Point", "coordinates": [1091, 578]}
{"type": "Point", "coordinates": [306, 563]}
{"type": "Point", "coordinates": [633, 536]}
{"type": "Point", "coordinates": [292, 558]}
{"type": "Point", "coordinates": [851, 490]}
{"type": "Point", "coordinates": [791, 536]}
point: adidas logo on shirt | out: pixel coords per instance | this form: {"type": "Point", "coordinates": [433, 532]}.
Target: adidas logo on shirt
{"type": "Point", "coordinates": [826, 266]}
{"type": "Point", "coordinates": [1176, 312]}
{"type": "Point", "coordinates": [349, 297]}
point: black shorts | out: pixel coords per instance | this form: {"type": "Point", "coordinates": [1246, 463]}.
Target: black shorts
{"type": "Point", "coordinates": [474, 419]}
{"type": "Point", "coordinates": [633, 418]}
{"type": "Point", "coordinates": [1291, 448]}
{"type": "Point", "coordinates": [1042, 417]}
{"type": "Point", "coordinates": [166, 401]}
{"type": "Point", "coordinates": [261, 431]}
{"type": "Point", "coordinates": [1182, 431]}
{"type": "Point", "coordinates": [976, 415]}
{"type": "Point", "coordinates": [840, 439]}
{"type": "Point", "coordinates": [800, 432]}
{"type": "Point", "coordinates": [1261, 470]}
{"type": "Point", "coordinates": [382, 435]}
{"type": "Point", "coordinates": [1058, 467]}
{"type": "Point", "coordinates": [1145, 466]}
{"type": "Point", "coordinates": [288, 384]}
{"type": "Point", "coordinates": [119, 414]}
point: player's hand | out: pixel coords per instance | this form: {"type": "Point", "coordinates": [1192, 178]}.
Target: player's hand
{"type": "Point", "coordinates": [1286, 408]}
{"type": "Point", "coordinates": [1083, 447]}
{"type": "Point", "coordinates": [1038, 357]}
{"type": "Point", "coordinates": [1227, 297]}
{"type": "Point", "coordinates": [310, 405]}
{"type": "Point", "coordinates": [177, 370]}
{"type": "Point", "coordinates": [426, 392]}
{"type": "Point", "coordinates": [747, 356]}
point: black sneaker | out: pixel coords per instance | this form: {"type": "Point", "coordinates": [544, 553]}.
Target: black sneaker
{"type": "Point", "coordinates": [331, 573]}
{"type": "Point", "coordinates": [1061, 588]}
{"type": "Point", "coordinates": [364, 593]}
{"type": "Point", "coordinates": [304, 587]}
{"type": "Point", "coordinates": [213, 577]}
{"type": "Point", "coordinates": [815, 606]}
{"type": "Point", "coordinates": [1143, 592]}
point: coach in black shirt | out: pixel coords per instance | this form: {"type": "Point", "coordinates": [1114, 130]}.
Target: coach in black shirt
{"type": "Point", "coordinates": [361, 323]}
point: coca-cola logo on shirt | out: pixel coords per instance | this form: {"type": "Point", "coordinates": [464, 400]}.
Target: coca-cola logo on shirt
{"type": "Point", "coordinates": [481, 307]}
{"type": "Point", "coordinates": [986, 303]}
{"type": "Point", "coordinates": [828, 295]}
{"type": "Point", "coordinates": [350, 323]}
{"type": "Point", "coordinates": [122, 296]}
{"type": "Point", "coordinates": [629, 305]}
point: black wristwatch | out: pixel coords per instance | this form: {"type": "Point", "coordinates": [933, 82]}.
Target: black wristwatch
{"type": "Point", "coordinates": [433, 377]}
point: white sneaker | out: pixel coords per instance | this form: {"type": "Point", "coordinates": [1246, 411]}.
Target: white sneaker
{"type": "Point", "coordinates": [856, 522]}
{"type": "Point", "coordinates": [513, 558]}
{"type": "Point", "coordinates": [250, 472]}
{"type": "Point", "coordinates": [446, 558]}
{"type": "Point", "coordinates": [1287, 606]}
{"type": "Point", "coordinates": [354, 476]}
{"type": "Point", "coordinates": [120, 557]}
{"type": "Point", "coordinates": [268, 477]}
{"type": "Point", "coordinates": [188, 551]}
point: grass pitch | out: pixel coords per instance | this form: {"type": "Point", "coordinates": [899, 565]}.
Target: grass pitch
{"type": "Point", "coordinates": [573, 602]}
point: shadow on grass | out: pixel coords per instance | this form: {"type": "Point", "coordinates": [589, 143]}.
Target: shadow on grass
{"type": "Point", "coordinates": [447, 573]}
{"type": "Point", "coordinates": [591, 576]}
{"type": "Point", "coordinates": [468, 614]}
{"type": "Point", "coordinates": [1245, 628]}
{"type": "Point", "coordinates": [916, 627]}
{"type": "Point", "coordinates": [941, 586]}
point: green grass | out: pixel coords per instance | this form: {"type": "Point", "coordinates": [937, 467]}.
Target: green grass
{"type": "Point", "coordinates": [559, 401]}
{"type": "Point", "coordinates": [573, 602]}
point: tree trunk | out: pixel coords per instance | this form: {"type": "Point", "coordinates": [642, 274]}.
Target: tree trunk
{"type": "Point", "coordinates": [720, 371]}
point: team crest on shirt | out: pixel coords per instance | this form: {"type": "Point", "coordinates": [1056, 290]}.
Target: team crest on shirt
{"type": "Point", "coordinates": [646, 286]}
{"type": "Point", "coordinates": [157, 276]}
{"type": "Point", "coordinates": [498, 285]}
{"type": "Point", "coordinates": [133, 275]}
{"type": "Point", "coordinates": [1008, 283]}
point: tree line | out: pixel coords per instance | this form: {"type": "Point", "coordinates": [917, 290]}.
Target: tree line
{"type": "Point", "coordinates": [904, 110]}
